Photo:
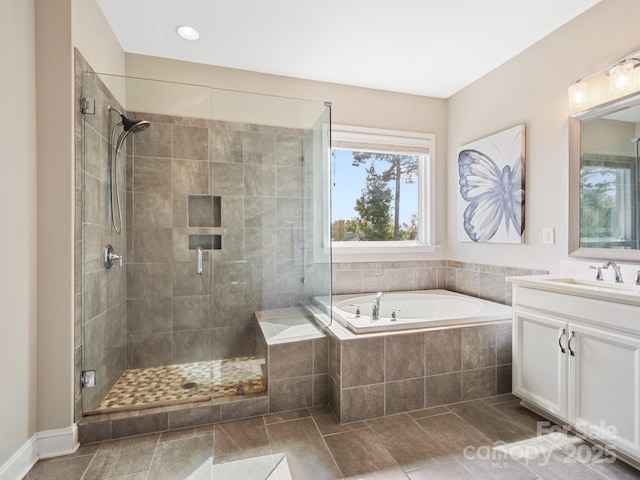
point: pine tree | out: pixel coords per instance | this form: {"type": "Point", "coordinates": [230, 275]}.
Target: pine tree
{"type": "Point", "coordinates": [402, 168]}
{"type": "Point", "coordinates": [373, 208]}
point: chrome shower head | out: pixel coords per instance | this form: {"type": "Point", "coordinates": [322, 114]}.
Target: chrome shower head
{"type": "Point", "coordinates": [129, 126]}
{"type": "Point", "coordinates": [134, 126]}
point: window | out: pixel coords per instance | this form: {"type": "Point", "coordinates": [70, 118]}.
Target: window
{"type": "Point", "coordinates": [381, 190]}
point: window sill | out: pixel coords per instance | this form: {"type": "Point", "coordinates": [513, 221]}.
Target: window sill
{"type": "Point", "coordinates": [355, 248]}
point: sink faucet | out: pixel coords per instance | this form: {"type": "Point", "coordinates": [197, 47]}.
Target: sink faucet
{"type": "Point", "coordinates": [616, 271]}
{"type": "Point", "coordinates": [375, 308]}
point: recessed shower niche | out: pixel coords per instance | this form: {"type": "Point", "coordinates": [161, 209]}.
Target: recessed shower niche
{"type": "Point", "coordinates": [206, 192]}
{"type": "Point", "coordinates": [204, 211]}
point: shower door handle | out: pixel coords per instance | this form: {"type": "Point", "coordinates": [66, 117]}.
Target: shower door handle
{"type": "Point", "coordinates": [199, 262]}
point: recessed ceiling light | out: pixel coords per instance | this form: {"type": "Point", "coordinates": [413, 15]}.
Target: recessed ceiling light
{"type": "Point", "coordinates": [187, 32]}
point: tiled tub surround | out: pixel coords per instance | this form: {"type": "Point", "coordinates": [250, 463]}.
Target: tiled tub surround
{"type": "Point", "coordinates": [476, 280]}
{"type": "Point", "coordinates": [379, 374]}
{"type": "Point", "coordinates": [383, 374]}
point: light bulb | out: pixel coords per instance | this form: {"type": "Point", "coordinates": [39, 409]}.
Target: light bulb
{"type": "Point", "coordinates": [578, 94]}
{"type": "Point", "coordinates": [621, 77]}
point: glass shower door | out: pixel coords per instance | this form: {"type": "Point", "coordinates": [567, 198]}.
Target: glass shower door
{"type": "Point", "coordinates": [104, 307]}
{"type": "Point", "coordinates": [147, 338]}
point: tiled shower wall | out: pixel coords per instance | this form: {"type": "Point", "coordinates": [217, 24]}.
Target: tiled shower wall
{"type": "Point", "coordinates": [174, 315]}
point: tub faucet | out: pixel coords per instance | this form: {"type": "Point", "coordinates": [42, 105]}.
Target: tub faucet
{"type": "Point", "coordinates": [375, 308]}
{"type": "Point", "coordinates": [616, 271]}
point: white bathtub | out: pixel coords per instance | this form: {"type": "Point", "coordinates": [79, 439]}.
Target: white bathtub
{"type": "Point", "coordinates": [415, 309]}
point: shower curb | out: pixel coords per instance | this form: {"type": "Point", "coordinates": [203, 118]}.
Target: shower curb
{"type": "Point", "coordinates": [112, 426]}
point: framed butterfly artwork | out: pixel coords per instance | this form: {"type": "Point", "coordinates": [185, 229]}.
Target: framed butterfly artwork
{"type": "Point", "coordinates": [491, 180]}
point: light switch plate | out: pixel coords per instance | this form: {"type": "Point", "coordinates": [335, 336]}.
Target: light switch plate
{"type": "Point", "coordinates": [548, 236]}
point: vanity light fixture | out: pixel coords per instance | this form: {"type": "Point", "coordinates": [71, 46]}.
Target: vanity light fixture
{"type": "Point", "coordinates": [187, 32]}
{"type": "Point", "coordinates": [621, 80]}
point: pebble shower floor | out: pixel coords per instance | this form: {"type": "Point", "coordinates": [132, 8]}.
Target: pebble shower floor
{"type": "Point", "coordinates": [174, 384]}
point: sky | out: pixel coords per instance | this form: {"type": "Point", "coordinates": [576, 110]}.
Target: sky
{"type": "Point", "coordinates": [348, 181]}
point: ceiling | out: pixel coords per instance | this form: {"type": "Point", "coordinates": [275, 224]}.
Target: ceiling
{"type": "Point", "coordinates": [422, 47]}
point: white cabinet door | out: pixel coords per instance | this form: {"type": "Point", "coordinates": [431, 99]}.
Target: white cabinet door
{"type": "Point", "coordinates": [604, 386]}
{"type": "Point", "coordinates": [539, 364]}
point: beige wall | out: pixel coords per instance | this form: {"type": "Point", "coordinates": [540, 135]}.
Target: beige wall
{"type": "Point", "coordinates": [93, 36]}
{"type": "Point", "coordinates": [54, 84]}
{"type": "Point", "coordinates": [532, 89]}
{"type": "Point", "coordinates": [56, 105]}
{"type": "Point", "coordinates": [18, 220]}
{"type": "Point", "coordinates": [36, 285]}
{"type": "Point", "coordinates": [350, 106]}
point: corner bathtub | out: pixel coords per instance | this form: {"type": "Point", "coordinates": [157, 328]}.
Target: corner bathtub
{"type": "Point", "coordinates": [415, 309]}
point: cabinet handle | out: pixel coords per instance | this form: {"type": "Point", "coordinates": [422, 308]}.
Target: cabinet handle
{"type": "Point", "coordinates": [571, 337]}
{"type": "Point", "coordinates": [562, 334]}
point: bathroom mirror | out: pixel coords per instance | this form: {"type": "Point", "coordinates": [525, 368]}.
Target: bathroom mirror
{"type": "Point", "coordinates": [604, 188]}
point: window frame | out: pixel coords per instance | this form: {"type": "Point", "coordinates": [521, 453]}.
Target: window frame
{"type": "Point", "coordinates": [384, 140]}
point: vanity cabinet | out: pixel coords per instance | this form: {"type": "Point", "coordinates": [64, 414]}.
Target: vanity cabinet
{"type": "Point", "coordinates": [578, 359]}
{"type": "Point", "coordinates": [539, 365]}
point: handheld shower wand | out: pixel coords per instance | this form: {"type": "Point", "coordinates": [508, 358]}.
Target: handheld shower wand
{"type": "Point", "coordinates": [129, 126]}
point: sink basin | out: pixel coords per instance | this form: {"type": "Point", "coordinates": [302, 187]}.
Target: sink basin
{"type": "Point", "coordinates": [598, 284]}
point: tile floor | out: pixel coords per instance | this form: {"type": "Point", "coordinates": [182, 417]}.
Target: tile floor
{"type": "Point", "coordinates": [183, 383]}
{"type": "Point", "coordinates": [493, 438]}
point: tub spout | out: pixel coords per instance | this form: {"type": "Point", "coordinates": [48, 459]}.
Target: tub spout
{"type": "Point", "coordinates": [375, 308]}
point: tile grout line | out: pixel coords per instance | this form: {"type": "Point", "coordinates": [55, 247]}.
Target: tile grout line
{"type": "Point", "coordinates": [89, 465]}
{"type": "Point", "coordinates": [153, 457]}
{"type": "Point", "coordinates": [326, 445]}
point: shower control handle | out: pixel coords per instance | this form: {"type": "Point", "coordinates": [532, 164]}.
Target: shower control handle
{"type": "Point", "coordinates": [109, 257]}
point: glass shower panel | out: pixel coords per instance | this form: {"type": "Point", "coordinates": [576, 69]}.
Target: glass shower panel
{"type": "Point", "coordinates": [146, 331]}
{"type": "Point", "coordinates": [317, 216]}
{"type": "Point", "coordinates": [259, 157]}
{"type": "Point", "coordinates": [224, 207]}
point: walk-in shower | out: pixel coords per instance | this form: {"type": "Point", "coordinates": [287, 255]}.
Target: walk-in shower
{"type": "Point", "coordinates": [217, 212]}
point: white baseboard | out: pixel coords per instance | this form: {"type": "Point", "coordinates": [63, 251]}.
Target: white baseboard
{"type": "Point", "coordinates": [47, 444]}
{"type": "Point", "coordinates": [55, 443]}
{"type": "Point", "coordinates": [21, 462]}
